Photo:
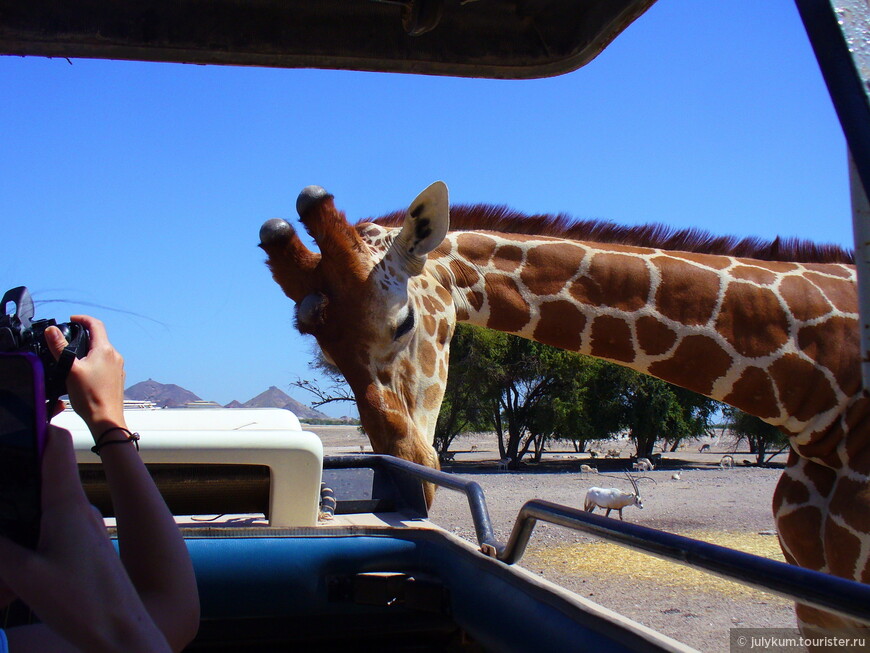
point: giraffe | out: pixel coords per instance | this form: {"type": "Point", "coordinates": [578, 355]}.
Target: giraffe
{"type": "Point", "coordinates": [775, 338]}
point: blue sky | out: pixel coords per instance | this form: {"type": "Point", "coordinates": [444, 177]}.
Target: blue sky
{"type": "Point", "coordinates": [141, 187]}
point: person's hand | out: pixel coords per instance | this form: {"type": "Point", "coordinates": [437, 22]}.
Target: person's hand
{"type": "Point", "coordinates": [74, 580]}
{"type": "Point", "coordinates": [96, 382]}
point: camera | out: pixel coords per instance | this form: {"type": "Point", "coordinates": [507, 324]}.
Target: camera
{"type": "Point", "coordinates": [19, 332]}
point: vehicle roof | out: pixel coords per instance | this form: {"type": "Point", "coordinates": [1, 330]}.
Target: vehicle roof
{"type": "Point", "coordinates": [510, 39]}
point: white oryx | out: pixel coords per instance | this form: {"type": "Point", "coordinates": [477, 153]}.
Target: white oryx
{"type": "Point", "coordinates": [643, 465]}
{"type": "Point", "coordinates": [612, 499]}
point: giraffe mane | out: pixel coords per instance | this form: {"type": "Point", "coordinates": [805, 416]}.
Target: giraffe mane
{"type": "Point", "coordinates": [466, 217]}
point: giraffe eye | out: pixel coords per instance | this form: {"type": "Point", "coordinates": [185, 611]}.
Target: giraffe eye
{"type": "Point", "coordinates": [406, 325]}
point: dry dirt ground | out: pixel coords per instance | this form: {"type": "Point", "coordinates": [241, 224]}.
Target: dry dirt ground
{"type": "Point", "coordinates": [730, 507]}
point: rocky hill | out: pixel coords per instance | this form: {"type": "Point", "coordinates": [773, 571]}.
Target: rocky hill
{"type": "Point", "coordinates": [168, 395]}
{"type": "Point", "coordinates": [165, 395]}
{"type": "Point", "coordinates": [276, 398]}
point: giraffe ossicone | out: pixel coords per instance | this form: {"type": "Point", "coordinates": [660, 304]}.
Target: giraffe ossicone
{"type": "Point", "coordinates": [771, 328]}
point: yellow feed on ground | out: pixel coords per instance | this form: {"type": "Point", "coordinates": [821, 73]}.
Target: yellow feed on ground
{"type": "Point", "coordinates": [599, 560]}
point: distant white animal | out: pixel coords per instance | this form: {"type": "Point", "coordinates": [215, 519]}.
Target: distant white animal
{"type": "Point", "coordinates": [727, 462]}
{"type": "Point", "coordinates": [588, 469]}
{"type": "Point", "coordinates": [675, 476]}
{"type": "Point", "coordinates": [643, 465]}
{"type": "Point", "coordinates": [503, 464]}
{"type": "Point", "coordinates": [612, 499]}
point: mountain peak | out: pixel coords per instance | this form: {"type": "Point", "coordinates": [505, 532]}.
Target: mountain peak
{"type": "Point", "coordinates": [161, 394]}
{"type": "Point", "coordinates": [169, 395]}
{"type": "Point", "coordinates": [277, 398]}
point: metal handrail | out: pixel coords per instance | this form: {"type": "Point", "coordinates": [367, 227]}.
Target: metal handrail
{"type": "Point", "coordinates": [844, 597]}
{"type": "Point", "coordinates": [472, 490]}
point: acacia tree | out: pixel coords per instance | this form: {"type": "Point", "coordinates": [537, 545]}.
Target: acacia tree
{"type": "Point", "coordinates": [529, 375]}
{"type": "Point", "coordinates": [648, 408]}
{"type": "Point", "coordinates": [761, 436]}
{"type": "Point", "coordinates": [465, 408]}
{"type": "Point", "coordinates": [534, 393]}
{"type": "Point", "coordinates": [566, 414]}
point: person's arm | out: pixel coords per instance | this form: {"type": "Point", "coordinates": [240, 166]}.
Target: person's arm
{"type": "Point", "coordinates": [151, 546]}
{"type": "Point", "coordinates": [74, 580]}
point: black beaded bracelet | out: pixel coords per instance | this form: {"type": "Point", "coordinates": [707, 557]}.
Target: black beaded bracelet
{"type": "Point", "coordinates": [131, 437]}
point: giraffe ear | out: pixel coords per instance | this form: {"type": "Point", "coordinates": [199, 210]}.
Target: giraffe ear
{"type": "Point", "coordinates": [426, 223]}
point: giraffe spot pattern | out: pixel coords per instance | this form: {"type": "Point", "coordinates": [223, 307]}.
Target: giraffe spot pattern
{"type": "Point", "coordinates": [432, 396]}
{"type": "Point", "coordinates": [836, 270]}
{"type": "Point", "coordinates": [699, 378]}
{"type": "Point", "coordinates": [429, 323]}
{"type": "Point", "coordinates": [614, 280]}
{"type": "Point", "coordinates": [561, 325]}
{"type": "Point", "coordinates": [686, 293]}
{"type": "Point", "coordinates": [822, 478]}
{"type": "Point", "coordinates": [744, 308]}
{"type": "Point", "coordinates": [840, 292]}
{"type": "Point", "coordinates": [509, 310]}
{"type": "Point", "coordinates": [508, 258]}
{"type": "Point", "coordinates": [813, 396]}
{"type": "Point", "coordinates": [475, 299]}
{"type": "Point", "coordinates": [790, 492]}
{"type": "Point", "coordinates": [444, 332]}
{"type": "Point", "coordinates": [427, 358]}
{"type": "Point", "coordinates": [475, 249]}
{"type": "Point", "coordinates": [432, 305]}
{"type": "Point", "coordinates": [550, 266]}
{"type": "Point", "coordinates": [803, 299]}
{"type": "Point", "coordinates": [706, 260]}
{"type": "Point", "coordinates": [754, 274]}
{"type": "Point", "coordinates": [443, 295]}
{"type": "Point", "coordinates": [843, 549]}
{"type": "Point", "coordinates": [849, 502]}
{"type": "Point", "coordinates": [441, 251]}
{"type": "Point", "coordinates": [653, 336]}
{"type": "Point", "coordinates": [611, 339]}
{"type": "Point", "coordinates": [801, 528]}
{"type": "Point", "coordinates": [754, 391]}
{"type": "Point", "coordinates": [777, 267]}
{"type": "Point", "coordinates": [824, 343]}
{"type": "Point", "coordinates": [465, 276]}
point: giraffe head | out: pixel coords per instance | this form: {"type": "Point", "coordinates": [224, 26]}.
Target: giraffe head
{"type": "Point", "coordinates": [364, 298]}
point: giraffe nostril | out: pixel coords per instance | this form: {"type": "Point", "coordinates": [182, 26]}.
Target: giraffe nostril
{"type": "Point", "coordinates": [309, 196]}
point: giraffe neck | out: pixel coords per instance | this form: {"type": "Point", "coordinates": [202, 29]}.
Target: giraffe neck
{"type": "Point", "coordinates": [777, 340]}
